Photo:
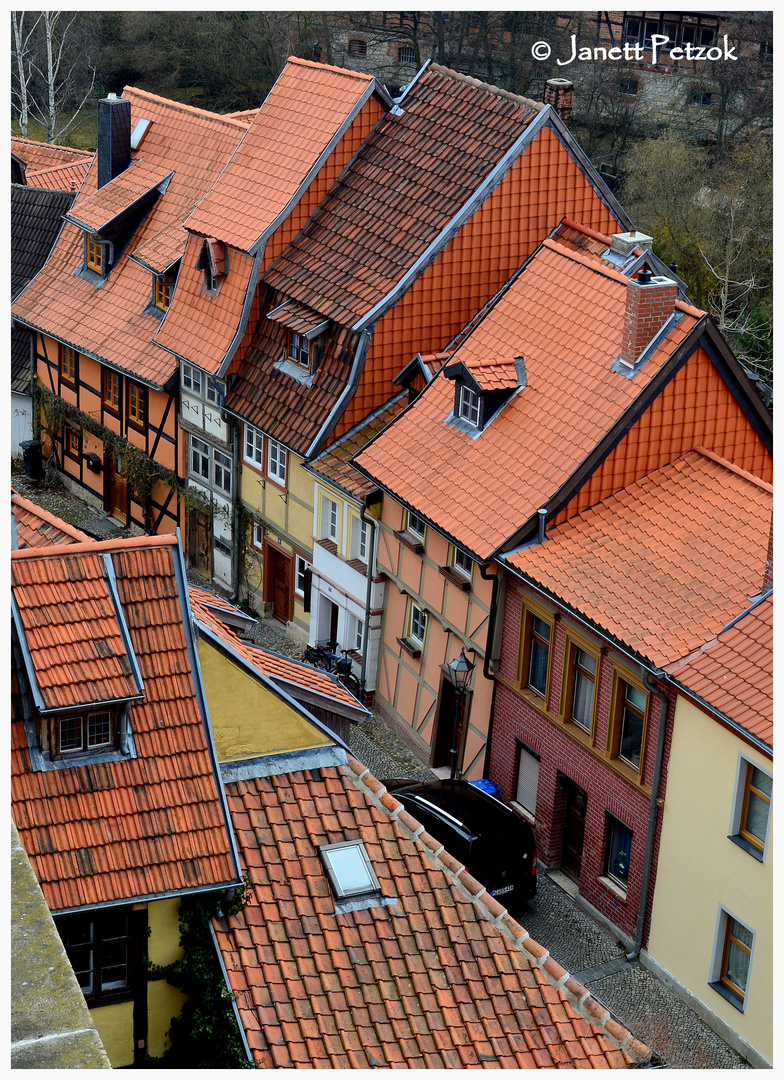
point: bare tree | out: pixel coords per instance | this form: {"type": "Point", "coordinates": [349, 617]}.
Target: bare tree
{"type": "Point", "coordinates": [22, 67]}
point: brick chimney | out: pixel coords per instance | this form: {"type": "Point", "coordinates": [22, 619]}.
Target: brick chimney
{"type": "Point", "coordinates": [114, 137]}
{"type": "Point", "coordinates": [560, 94]}
{"type": "Point", "coordinates": [649, 303]}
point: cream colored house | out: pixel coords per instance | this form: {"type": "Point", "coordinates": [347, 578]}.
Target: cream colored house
{"type": "Point", "coordinates": [711, 935]}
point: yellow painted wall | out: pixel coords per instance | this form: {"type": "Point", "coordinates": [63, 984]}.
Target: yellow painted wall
{"type": "Point", "coordinates": [114, 1024]}
{"type": "Point", "coordinates": [247, 718]}
{"type": "Point", "coordinates": [163, 947]}
{"type": "Point", "coordinates": [700, 869]}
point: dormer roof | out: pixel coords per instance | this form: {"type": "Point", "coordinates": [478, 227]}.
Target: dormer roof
{"type": "Point", "coordinates": [490, 372]}
{"type": "Point", "coordinates": [139, 181]}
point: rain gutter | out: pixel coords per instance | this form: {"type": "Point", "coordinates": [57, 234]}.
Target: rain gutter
{"type": "Point", "coordinates": [368, 594]}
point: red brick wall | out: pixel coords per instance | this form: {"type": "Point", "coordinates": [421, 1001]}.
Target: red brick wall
{"type": "Point", "coordinates": [564, 756]}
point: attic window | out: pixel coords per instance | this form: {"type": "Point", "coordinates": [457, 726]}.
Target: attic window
{"type": "Point", "coordinates": [350, 874]}
{"type": "Point", "coordinates": [299, 349]}
{"type": "Point", "coordinates": [138, 133]}
{"type": "Point", "coordinates": [468, 404]}
{"type": "Point", "coordinates": [213, 260]}
{"type": "Point", "coordinates": [94, 255]}
{"type": "Point", "coordinates": [164, 283]}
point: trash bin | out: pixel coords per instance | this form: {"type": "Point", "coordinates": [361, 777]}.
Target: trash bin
{"type": "Point", "coordinates": [33, 459]}
{"type": "Point", "coordinates": [488, 786]}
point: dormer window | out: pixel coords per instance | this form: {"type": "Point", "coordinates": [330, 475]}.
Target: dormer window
{"type": "Point", "coordinates": [164, 284]}
{"type": "Point", "coordinates": [213, 261]}
{"type": "Point", "coordinates": [468, 405]}
{"type": "Point", "coordinates": [95, 255]}
{"type": "Point", "coordinates": [80, 733]}
{"type": "Point", "coordinates": [299, 349]}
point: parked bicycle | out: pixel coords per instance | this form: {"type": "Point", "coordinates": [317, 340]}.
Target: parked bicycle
{"type": "Point", "coordinates": [324, 655]}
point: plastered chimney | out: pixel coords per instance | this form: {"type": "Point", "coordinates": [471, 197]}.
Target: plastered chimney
{"type": "Point", "coordinates": [560, 94]}
{"type": "Point", "coordinates": [649, 303]}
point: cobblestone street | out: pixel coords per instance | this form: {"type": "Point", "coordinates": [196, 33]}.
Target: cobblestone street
{"type": "Point", "coordinates": [639, 1001]}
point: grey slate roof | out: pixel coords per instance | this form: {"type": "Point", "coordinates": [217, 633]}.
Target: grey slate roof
{"type": "Point", "coordinates": [36, 219]}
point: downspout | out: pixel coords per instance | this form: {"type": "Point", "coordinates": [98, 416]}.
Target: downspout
{"type": "Point", "coordinates": [371, 565]}
{"type": "Point", "coordinates": [486, 665]}
{"type": "Point", "coordinates": [653, 812]}
{"type": "Point", "coordinates": [235, 568]}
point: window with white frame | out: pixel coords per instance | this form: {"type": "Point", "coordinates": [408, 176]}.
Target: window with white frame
{"type": "Point", "coordinates": [78, 733]}
{"type": "Point", "coordinates": [461, 562]}
{"type": "Point", "coordinates": [356, 634]}
{"type": "Point", "coordinates": [221, 474]}
{"type": "Point", "coordinates": [415, 525]}
{"type": "Point", "coordinates": [300, 575]}
{"type": "Point", "coordinates": [200, 458]}
{"type": "Point", "coordinates": [751, 809]}
{"type": "Point", "coordinates": [468, 405]}
{"type": "Point", "coordinates": [192, 379]}
{"type": "Point", "coordinates": [210, 464]}
{"type": "Point", "coordinates": [214, 391]}
{"type": "Point", "coordinates": [276, 461]}
{"type": "Point", "coordinates": [258, 534]}
{"type": "Point", "coordinates": [359, 539]}
{"type": "Point", "coordinates": [330, 519]}
{"type": "Point", "coordinates": [254, 446]}
{"type": "Point", "coordinates": [417, 624]}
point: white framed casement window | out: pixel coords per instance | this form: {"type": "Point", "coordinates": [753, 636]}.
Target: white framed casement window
{"type": "Point", "coordinates": [300, 575]}
{"type": "Point", "coordinates": [258, 534]}
{"type": "Point", "coordinates": [191, 379]}
{"type": "Point", "coordinates": [750, 824]}
{"type": "Point", "coordinates": [356, 634]}
{"type": "Point", "coordinates": [254, 446]}
{"type": "Point", "coordinates": [359, 539]}
{"type": "Point", "coordinates": [200, 458]}
{"type": "Point", "coordinates": [330, 519]}
{"type": "Point", "coordinates": [733, 955]}
{"type": "Point", "coordinates": [618, 852]}
{"type": "Point", "coordinates": [462, 563]}
{"type": "Point", "coordinates": [468, 405]}
{"type": "Point", "coordinates": [277, 457]}
{"type": "Point", "coordinates": [221, 471]}
{"type": "Point", "coordinates": [79, 733]}
{"type": "Point", "coordinates": [214, 391]}
{"type": "Point", "coordinates": [415, 525]}
{"type": "Point", "coordinates": [417, 624]}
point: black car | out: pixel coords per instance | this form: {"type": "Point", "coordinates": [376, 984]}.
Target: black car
{"type": "Point", "coordinates": [495, 842]}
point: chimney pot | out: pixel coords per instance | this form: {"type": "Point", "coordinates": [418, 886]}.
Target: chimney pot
{"type": "Point", "coordinates": [625, 243]}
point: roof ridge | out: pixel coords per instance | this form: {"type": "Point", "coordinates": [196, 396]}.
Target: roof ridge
{"type": "Point", "coordinates": [350, 72]}
{"type": "Point", "coordinates": [498, 91]}
{"type": "Point", "coordinates": [97, 547]}
{"type": "Point", "coordinates": [87, 159]}
{"type": "Point", "coordinates": [732, 467]}
{"type": "Point", "coordinates": [580, 999]}
{"type": "Point", "coordinates": [572, 224]}
{"type": "Point", "coordinates": [180, 106]}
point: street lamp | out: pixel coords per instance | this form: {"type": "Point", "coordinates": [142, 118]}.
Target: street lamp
{"type": "Point", "coordinates": [460, 674]}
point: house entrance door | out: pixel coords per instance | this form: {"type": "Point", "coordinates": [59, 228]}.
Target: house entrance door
{"type": "Point", "coordinates": [200, 542]}
{"type": "Point", "coordinates": [282, 574]}
{"type": "Point", "coordinates": [117, 494]}
{"type": "Point", "coordinates": [444, 736]}
{"type": "Point", "coordinates": [574, 830]}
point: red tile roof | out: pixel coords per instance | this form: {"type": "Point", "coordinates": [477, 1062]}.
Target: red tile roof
{"type": "Point", "coordinates": [109, 321]}
{"type": "Point", "coordinates": [408, 181]}
{"type": "Point", "coordinates": [139, 179]}
{"type": "Point", "coordinates": [334, 465]}
{"type": "Point", "coordinates": [43, 159]}
{"type": "Point", "coordinates": [494, 373]}
{"type": "Point", "coordinates": [36, 527]}
{"type": "Point", "coordinates": [665, 563]}
{"type": "Point", "coordinates": [150, 824]}
{"type": "Point", "coordinates": [62, 178]}
{"type": "Point", "coordinates": [564, 315]}
{"type": "Point", "coordinates": [289, 675]}
{"type": "Point", "coordinates": [734, 671]}
{"type": "Point", "coordinates": [441, 978]}
{"type": "Point", "coordinates": [163, 249]}
{"type": "Point", "coordinates": [303, 111]}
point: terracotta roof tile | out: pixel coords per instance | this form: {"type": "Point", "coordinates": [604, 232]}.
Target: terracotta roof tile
{"type": "Point", "coordinates": [298, 118]}
{"type": "Point", "coordinates": [139, 179]}
{"type": "Point", "coordinates": [334, 465]}
{"type": "Point", "coordinates": [163, 249]}
{"type": "Point", "coordinates": [147, 825]}
{"type": "Point", "coordinates": [109, 321]}
{"type": "Point", "coordinates": [734, 671]}
{"type": "Point", "coordinates": [40, 157]}
{"type": "Point", "coordinates": [565, 318]}
{"type": "Point", "coordinates": [691, 538]}
{"type": "Point", "coordinates": [409, 179]}
{"type": "Point", "coordinates": [401, 1011]}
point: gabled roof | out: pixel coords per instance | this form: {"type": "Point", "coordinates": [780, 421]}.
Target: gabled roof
{"type": "Point", "coordinates": [296, 679]}
{"type": "Point", "coordinates": [140, 179]}
{"type": "Point", "coordinates": [733, 672]}
{"type": "Point", "coordinates": [414, 174]}
{"type": "Point", "coordinates": [438, 977]}
{"type": "Point", "coordinates": [303, 113]}
{"type": "Point", "coordinates": [151, 823]}
{"type": "Point", "coordinates": [32, 526]}
{"type": "Point", "coordinates": [109, 322]}
{"type": "Point", "coordinates": [663, 564]}
{"type": "Point", "coordinates": [564, 314]}
{"type": "Point", "coordinates": [36, 220]}
{"type": "Point", "coordinates": [334, 465]}
{"type": "Point", "coordinates": [51, 166]}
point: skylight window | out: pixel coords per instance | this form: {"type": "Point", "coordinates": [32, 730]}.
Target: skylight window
{"type": "Point", "coordinates": [138, 133]}
{"type": "Point", "coordinates": [350, 873]}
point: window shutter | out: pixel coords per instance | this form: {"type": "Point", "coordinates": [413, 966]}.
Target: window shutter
{"type": "Point", "coordinates": [306, 590]}
{"type": "Point", "coordinates": [527, 780]}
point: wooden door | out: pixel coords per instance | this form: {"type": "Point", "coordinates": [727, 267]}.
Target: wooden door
{"type": "Point", "coordinates": [574, 830]}
{"type": "Point", "coordinates": [118, 489]}
{"type": "Point", "coordinates": [444, 737]}
{"type": "Point", "coordinates": [283, 593]}
{"type": "Point", "coordinates": [200, 542]}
